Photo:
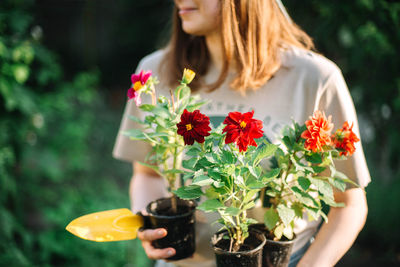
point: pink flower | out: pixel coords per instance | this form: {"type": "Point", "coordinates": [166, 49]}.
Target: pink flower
{"type": "Point", "coordinates": [138, 81]}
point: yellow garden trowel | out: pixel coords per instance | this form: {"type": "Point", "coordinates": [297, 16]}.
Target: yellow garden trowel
{"type": "Point", "coordinates": [109, 225]}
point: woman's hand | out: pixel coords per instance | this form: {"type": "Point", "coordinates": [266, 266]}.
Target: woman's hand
{"type": "Point", "coordinates": [145, 187]}
{"type": "Point", "coordinates": [147, 236]}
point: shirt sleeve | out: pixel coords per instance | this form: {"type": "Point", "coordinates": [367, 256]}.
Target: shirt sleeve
{"type": "Point", "coordinates": [335, 100]}
{"type": "Point", "coordinates": [124, 148]}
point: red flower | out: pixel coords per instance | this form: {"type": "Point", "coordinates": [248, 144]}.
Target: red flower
{"type": "Point", "coordinates": [318, 132]}
{"type": "Point", "coordinates": [242, 129]}
{"type": "Point", "coordinates": [344, 139]}
{"type": "Point", "coordinates": [193, 126]}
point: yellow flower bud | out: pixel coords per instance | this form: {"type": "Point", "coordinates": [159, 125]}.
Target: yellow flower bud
{"type": "Point", "coordinates": [188, 76]}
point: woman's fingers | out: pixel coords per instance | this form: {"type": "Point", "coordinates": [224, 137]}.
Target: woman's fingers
{"type": "Point", "coordinates": [147, 236]}
{"type": "Point", "coordinates": [155, 253]}
{"type": "Point", "coordinates": [150, 235]}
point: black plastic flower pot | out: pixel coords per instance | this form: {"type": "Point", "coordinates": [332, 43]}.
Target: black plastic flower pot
{"type": "Point", "coordinates": [249, 254]}
{"type": "Point", "coordinates": [275, 253]}
{"type": "Point", "coordinates": [180, 226]}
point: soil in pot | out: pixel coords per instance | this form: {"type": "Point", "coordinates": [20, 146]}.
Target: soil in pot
{"type": "Point", "coordinates": [180, 225]}
{"type": "Point", "coordinates": [275, 253]}
{"type": "Point", "coordinates": [249, 254]}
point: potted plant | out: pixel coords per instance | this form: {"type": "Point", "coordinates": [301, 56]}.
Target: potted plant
{"type": "Point", "coordinates": [305, 183]}
{"type": "Point", "coordinates": [230, 177]}
{"type": "Point", "coordinates": [225, 169]}
{"type": "Point", "coordinates": [160, 130]}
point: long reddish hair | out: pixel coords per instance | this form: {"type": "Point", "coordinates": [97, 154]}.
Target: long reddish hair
{"type": "Point", "coordinates": [253, 34]}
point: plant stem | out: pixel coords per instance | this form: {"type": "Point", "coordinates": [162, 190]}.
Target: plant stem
{"type": "Point", "coordinates": [153, 94]}
{"type": "Point", "coordinates": [173, 178]}
{"type": "Point", "coordinates": [174, 204]}
{"type": "Point", "coordinates": [262, 196]}
{"type": "Point", "coordinates": [173, 100]}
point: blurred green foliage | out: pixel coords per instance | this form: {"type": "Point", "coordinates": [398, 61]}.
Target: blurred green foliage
{"type": "Point", "coordinates": [54, 137]}
{"type": "Point", "coordinates": [363, 38]}
{"type": "Point", "coordinates": [57, 127]}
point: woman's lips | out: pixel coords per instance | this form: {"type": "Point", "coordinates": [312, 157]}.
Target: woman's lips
{"type": "Point", "coordinates": [188, 10]}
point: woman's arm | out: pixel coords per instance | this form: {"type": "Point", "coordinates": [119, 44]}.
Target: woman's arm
{"type": "Point", "coordinates": [336, 237]}
{"type": "Point", "coordinates": [146, 185]}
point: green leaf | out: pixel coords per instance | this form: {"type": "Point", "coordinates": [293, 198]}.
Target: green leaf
{"type": "Point", "coordinates": [204, 162]}
{"type": "Point", "coordinates": [304, 197]}
{"type": "Point", "coordinates": [184, 96]}
{"type": "Point", "coordinates": [218, 184]}
{"type": "Point", "coordinates": [298, 209]}
{"type": "Point", "coordinates": [189, 192]}
{"type": "Point", "coordinates": [253, 171]}
{"type": "Point", "coordinates": [304, 183]}
{"type": "Point", "coordinates": [194, 106]}
{"type": "Point", "coordinates": [323, 215]}
{"type": "Point", "coordinates": [300, 167]}
{"type": "Point", "coordinates": [249, 196]}
{"type": "Point", "coordinates": [211, 193]}
{"type": "Point", "coordinates": [161, 112]}
{"type": "Point", "coordinates": [272, 174]}
{"type": "Point", "coordinates": [314, 158]}
{"type": "Point", "coordinates": [188, 175]}
{"type": "Point", "coordinates": [227, 157]}
{"type": "Point", "coordinates": [271, 218]}
{"type": "Point", "coordinates": [190, 163]}
{"type": "Point", "coordinates": [232, 211]}
{"type": "Point", "coordinates": [331, 202]}
{"type": "Point", "coordinates": [210, 205]}
{"type": "Point", "coordinates": [202, 180]}
{"type": "Point", "coordinates": [193, 151]}
{"type": "Point", "coordinates": [338, 183]}
{"type": "Point", "coordinates": [342, 176]}
{"type": "Point", "coordinates": [248, 206]}
{"type": "Point", "coordinates": [323, 187]}
{"type": "Point", "coordinates": [136, 119]}
{"type": "Point", "coordinates": [318, 169]}
{"type": "Point", "coordinates": [286, 214]}
{"type": "Point", "coordinates": [312, 213]}
{"type": "Point", "coordinates": [279, 231]}
{"type": "Point", "coordinates": [286, 140]}
{"type": "Point", "coordinates": [338, 174]}
{"type": "Point", "coordinates": [147, 107]}
{"type": "Point", "coordinates": [253, 183]}
{"type": "Point", "coordinates": [288, 232]}
{"type": "Point", "coordinates": [135, 134]}
{"type": "Point", "coordinates": [264, 151]}
{"type": "Point", "coordinates": [161, 122]}
{"type": "Point", "coordinates": [153, 167]}
{"type": "Point", "coordinates": [182, 92]}
{"type": "Point", "coordinates": [215, 174]}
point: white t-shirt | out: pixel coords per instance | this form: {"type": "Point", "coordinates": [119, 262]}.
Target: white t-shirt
{"type": "Point", "coordinates": [304, 83]}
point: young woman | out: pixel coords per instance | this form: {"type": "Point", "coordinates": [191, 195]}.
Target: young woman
{"type": "Point", "coordinates": [248, 54]}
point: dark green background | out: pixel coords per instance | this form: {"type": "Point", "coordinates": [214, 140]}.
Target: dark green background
{"type": "Point", "coordinates": [64, 70]}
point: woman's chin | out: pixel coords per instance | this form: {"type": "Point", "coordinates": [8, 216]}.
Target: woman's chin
{"type": "Point", "coordinates": [192, 30]}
